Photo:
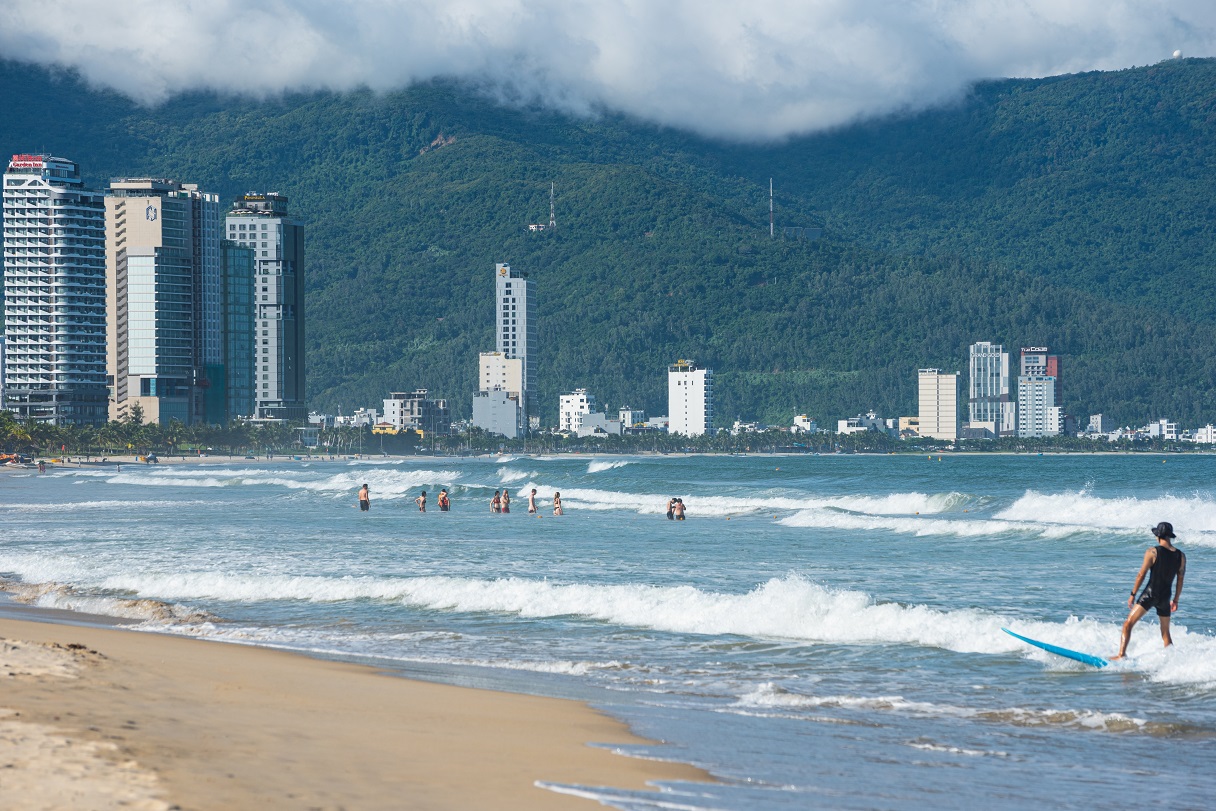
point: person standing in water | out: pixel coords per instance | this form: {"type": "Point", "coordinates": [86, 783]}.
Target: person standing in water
{"type": "Point", "coordinates": [505, 503]}
{"type": "Point", "coordinates": [1162, 562]}
{"type": "Point", "coordinates": [365, 500]}
{"type": "Point", "coordinates": [421, 502]}
{"type": "Point", "coordinates": [678, 509]}
{"type": "Point", "coordinates": [496, 503]}
{"type": "Point", "coordinates": [557, 504]}
{"type": "Point", "coordinates": [532, 502]}
{"type": "Point", "coordinates": [445, 503]}
{"type": "Point", "coordinates": [671, 507]}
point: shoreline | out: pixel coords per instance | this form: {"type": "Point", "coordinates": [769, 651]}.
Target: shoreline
{"type": "Point", "coordinates": [92, 714]}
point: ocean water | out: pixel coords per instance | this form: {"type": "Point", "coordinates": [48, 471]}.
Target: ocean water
{"type": "Point", "coordinates": [822, 632]}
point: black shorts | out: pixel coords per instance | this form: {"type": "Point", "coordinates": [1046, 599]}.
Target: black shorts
{"type": "Point", "coordinates": [365, 505]}
{"type": "Point", "coordinates": [1160, 602]}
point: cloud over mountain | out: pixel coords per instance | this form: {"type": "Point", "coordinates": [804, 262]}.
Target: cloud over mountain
{"type": "Point", "coordinates": [724, 68]}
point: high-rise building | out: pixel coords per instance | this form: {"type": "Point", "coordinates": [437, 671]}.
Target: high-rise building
{"type": "Point", "coordinates": [1038, 414]}
{"type": "Point", "coordinates": [239, 269]}
{"type": "Point", "coordinates": [54, 293]}
{"type": "Point", "coordinates": [164, 301]}
{"type": "Point", "coordinates": [938, 404]}
{"type": "Point", "coordinates": [1037, 360]}
{"type": "Point", "coordinates": [515, 326]}
{"type": "Point", "coordinates": [990, 400]}
{"type": "Point", "coordinates": [260, 222]}
{"type": "Point", "coordinates": [690, 399]}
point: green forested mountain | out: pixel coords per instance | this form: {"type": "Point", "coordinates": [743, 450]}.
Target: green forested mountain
{"type": "Point", "coordinates": [1077, 212]}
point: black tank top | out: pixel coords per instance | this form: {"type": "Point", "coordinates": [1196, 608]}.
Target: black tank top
{"type": "Point", "coordinates": [1165, 567]}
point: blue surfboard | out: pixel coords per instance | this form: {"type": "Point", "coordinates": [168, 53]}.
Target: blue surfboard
{"type": "Point", "coordinates": [1089, 659]}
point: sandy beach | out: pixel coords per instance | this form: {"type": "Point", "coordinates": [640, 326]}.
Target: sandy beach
{"type": "Point", "coordinates": [101, 718]}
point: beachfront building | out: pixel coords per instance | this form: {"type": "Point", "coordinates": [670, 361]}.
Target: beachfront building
{"type": "Point", "coordinates": [238, 311]}
{"type": "Point", "coordinates": [631, 417]}
{"type": "Point", "coordinates": [1162, 429]}
{"type": "Point", "coordinates": [690, 399]}
{"type": "Point", "coordinates": [870, 421]}
{"type": "Point", "coordinates": [990, 404]}
{"type": "Point", "coordinates": [803, 424]}
{"type": "Point", "coordinates": [261, 223]}
{"type": "Point", "coordinates": [1038, 360]}
{"type": "Point", "coordinates": [515, 328]}
{"type": "Point", "coordinates": [938, 404]}
{"type": "Point", "coordinates": [164, 301]}
{"type": "Point", "coordinates": [571, 409]}
{"type": "Point", "coordinates": [1038, 414]}
{"type": "Point", "coordinates": [416, 411]}
{"type": "Point", "coordinates": [1205, 435]}
{"type": "Point", "coordinates": [497, 412]}
{"type": "Point", "coordinates": [597, 423]}
{"type": "Point", "coordinates": [497, 372]}
{"type": "Point", "coordinates": [54, 293]}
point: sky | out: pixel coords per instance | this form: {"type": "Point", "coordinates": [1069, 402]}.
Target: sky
{"type": "Point", "coordinates": [747, 70]}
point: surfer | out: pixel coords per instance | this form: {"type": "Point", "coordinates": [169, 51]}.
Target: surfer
{"type": "Point", "coordinates": [365, 500]}
{"type": "Point", "coordinates": [445, 503]}
{"type": "Point", "coordinates": [1162, 562]}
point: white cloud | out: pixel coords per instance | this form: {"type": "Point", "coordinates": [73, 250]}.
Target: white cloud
{"type": "Point", "coordinates": [746, 70]}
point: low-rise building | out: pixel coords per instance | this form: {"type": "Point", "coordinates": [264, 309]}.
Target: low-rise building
{"type": "Point", "coordinates": [597, 422]}
{"type": "Point", "coordinates": [572, 407]}
{"type": "Point", "coordinates": [1162, 429]}
{"type": "Point", "coordinates": [631, 417]}
{"type": "Point", "coordinates": [497, 412]}
{"type": "Point", "coordinates": [416, 411]}
{"type": "Point", "coordinates": [803, 424]}
{"type": "Point", "coordinates": [862, 423]}
{"type": "Point", "coordinates": [1205, 435]}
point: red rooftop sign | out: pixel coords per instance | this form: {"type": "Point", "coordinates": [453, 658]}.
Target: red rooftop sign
{"type": "Point", "coordinates": [26, 162]}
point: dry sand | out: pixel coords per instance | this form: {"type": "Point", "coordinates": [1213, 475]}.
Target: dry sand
{"type": "Point", "coordinates": [98, 718]}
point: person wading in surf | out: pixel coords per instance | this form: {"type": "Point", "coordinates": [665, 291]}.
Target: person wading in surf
{"type": "Point", "coordinates": [1163, 562]}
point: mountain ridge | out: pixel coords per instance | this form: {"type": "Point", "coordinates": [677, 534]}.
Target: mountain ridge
{"type": "Point", "coordinates": [1061, 211]}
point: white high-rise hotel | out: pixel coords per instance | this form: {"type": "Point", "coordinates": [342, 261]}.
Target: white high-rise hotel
{"type": "Point", "coordinates": [690, 399]}
{"type": "Point", "coordinates": [54, 293]}
{"type": "Point", "coordinates": [260, 222]}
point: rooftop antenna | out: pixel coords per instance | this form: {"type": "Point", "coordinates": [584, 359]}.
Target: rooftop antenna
{"type": "Point", "coordinates": [770, 208]}
{"type": "Point", "coordinates": [552, 217]}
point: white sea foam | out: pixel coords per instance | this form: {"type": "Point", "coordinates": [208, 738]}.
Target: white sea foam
{"type": "Point", "coordinates": [508, 475]}
{"type": "Point", "coordinates": [79, 506]}
{"type": "Point", "coordinates": [770, 695]}
{"type": "Point", "coordinates": [601, 466]}
{"type": "Point", "coordinates": [1193, 517]}
{"type": "Point", "coordinates": [787, 608]}
{"type": "Point", "coordinates": [385, 482]}
{"type": "Point", "coordinates": [724, 505]}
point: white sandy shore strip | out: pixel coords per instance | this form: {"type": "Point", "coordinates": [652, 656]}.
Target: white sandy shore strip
{"type": "Point", "coordinates": [98, 718]}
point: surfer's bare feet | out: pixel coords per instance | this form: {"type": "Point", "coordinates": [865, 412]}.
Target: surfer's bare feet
{"type": "Point", "coordinates": [1116, 657]}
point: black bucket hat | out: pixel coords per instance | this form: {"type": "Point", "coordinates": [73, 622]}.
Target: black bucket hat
{"type": "Point", "coordinates": [1164, 530]}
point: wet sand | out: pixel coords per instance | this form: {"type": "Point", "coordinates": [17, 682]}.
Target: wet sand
{"type": "Point", "coordinates": [99, 718]}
